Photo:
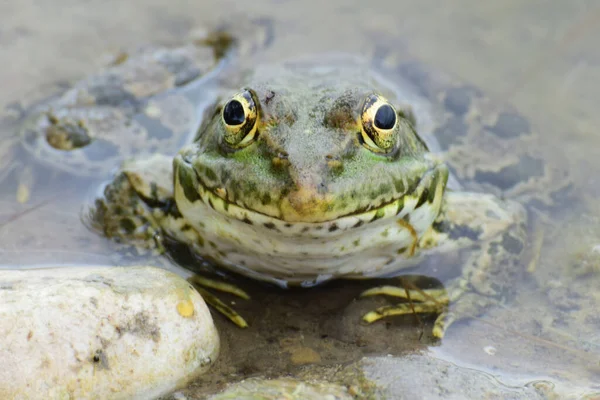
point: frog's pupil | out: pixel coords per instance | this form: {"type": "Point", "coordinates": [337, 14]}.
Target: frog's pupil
{"type": "Point", "coordinates": [233, 113]}
{"type": "Point", "coordinates": [385, 118]}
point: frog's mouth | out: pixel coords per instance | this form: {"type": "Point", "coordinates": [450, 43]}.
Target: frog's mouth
{"type": "Point", "coordinates": [425, 195]}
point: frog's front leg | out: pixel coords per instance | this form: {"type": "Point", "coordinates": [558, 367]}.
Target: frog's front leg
{"type": "Point", "coordinates": [489, 234]}
{"type": "Point", "coordinates": [137, 208]}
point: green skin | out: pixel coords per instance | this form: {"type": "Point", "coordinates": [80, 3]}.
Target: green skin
{"type": "Point", "coordinates": [310, 190]}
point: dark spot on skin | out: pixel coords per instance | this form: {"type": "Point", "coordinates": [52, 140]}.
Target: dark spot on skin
{"type": "Point", "coordinates": [210, 174]}
{"type": "Point", "coordinates": [457, 231]}
{"type": "Point", "coordinates": [270, 225]}
{"type": "Point", "coordinates": [510, 125]}
{"type": "Point", "coordinates": [450, 132]}
{"type": "Point", "coordinates": [288, 225]}
{"type": "Point", "coordinates": [458, 100]}
{"type": "Point", "coordinates": [401, 250]}
{"type": "Point", "coordinates": [188, 184]}
{"type": "Point", "coordinates": [511, 244]}
{"type": "Point", "coordinates": [153, 190]}
{"type": "Point", "coordinates": [378, 215]}
{"type": "Point", "coordinates": [399, 185]}
{"type": "Point", "coordinates": [170, 208]}
{"type": "Point", "coordinates": [305, 229]}
{"type": "Point", "coordinates": [333, 228]}
{"type": "Point", "coordinates": [246, 220]}
{"type": "Point", "coordinates": [250, 189]}
{"type": "Point", "coordinates": [423, 198]}
{"type": "Point", "coordinates": [432, 190]}
{"type": "Point", "coordinates": [341, 114]}
{"type": "Point", "coordinates": [400, 206]}
{"type": "Point", "coordinates": [269, 96]}
{"type": "Point", "coordinates": [266, 199]}
{"type": "Point", "coordinates": [318, 227]}
{"type": "Point", "coordinates": [370, 101]}
{"type": "Point", "coordinates": [213, 245]}
{"type": "Point", "coordinates": [335, 165]}
{"type": "Point", "coordinates": [510, 176]}
{"type": "Point", "coordinates": [358, 224]}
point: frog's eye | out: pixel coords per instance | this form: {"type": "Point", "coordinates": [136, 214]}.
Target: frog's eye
{"type": "Point", "coordinates": [379, 121]}
{"type": "Point", "coordinates": [240, 119]}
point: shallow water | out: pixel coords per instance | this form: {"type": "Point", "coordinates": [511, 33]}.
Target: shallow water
{"type": "Point", "coordinates": [540, 56]}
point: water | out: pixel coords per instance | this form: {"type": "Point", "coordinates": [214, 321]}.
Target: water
{"type": "Point", "coordinates": [542, 57]}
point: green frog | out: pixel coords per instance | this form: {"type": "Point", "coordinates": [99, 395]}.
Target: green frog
{"type": "Point", "coordinates": [323, 168]}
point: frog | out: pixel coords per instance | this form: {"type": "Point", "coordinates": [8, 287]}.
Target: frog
{"type": "Point", "coordinates": [322, 168]}
{"type": "Point", "coordinates": [145, 100]}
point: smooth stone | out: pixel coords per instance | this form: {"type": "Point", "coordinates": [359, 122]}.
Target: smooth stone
{"type": "Point", "coordinates": [101, 332]}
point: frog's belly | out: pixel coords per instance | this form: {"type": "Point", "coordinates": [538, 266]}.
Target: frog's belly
{"type": "Point", "coordinates": [265, 248]}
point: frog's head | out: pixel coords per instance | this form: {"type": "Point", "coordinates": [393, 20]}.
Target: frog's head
{"type": "Point", "coordinates": [307, 152]}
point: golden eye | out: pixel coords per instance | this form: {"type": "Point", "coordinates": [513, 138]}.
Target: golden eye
{"type": "Point", "coordinates": [240, 119]}
{"type": "Point", "coordinates": [379, 121]}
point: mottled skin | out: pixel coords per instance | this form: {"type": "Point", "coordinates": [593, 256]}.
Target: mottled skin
{"type": "Point", "coordinates": [308, 188]}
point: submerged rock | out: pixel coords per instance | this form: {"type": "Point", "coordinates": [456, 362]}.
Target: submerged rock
{"type": "Point", "coordinates": [282, 388]}
{"type": "Point", "coordinates": [101, 332]}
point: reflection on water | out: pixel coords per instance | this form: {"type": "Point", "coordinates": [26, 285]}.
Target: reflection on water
{"type": "Point", "coordinates": [542, 58]}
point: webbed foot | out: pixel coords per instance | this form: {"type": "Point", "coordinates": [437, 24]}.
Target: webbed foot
{"type": "Point", "coordinates": [428, 301]}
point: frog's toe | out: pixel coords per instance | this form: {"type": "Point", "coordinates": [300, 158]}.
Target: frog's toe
{"type": "Point", "coordinates": [420, 301]}
{"type": "Point", "coordinates": [402, 309]}
{"type": "Point", "coordinates": [219, 285]}
{"type": "Point", "coordinates": [442, 322]}
{"type": "Point", "coordinates": [421, 295]}
{"type": "Point", "coordinates": [200, 283]}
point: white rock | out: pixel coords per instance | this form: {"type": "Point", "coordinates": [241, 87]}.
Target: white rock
{"type": "Point", "coordinates": [100, 332]}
